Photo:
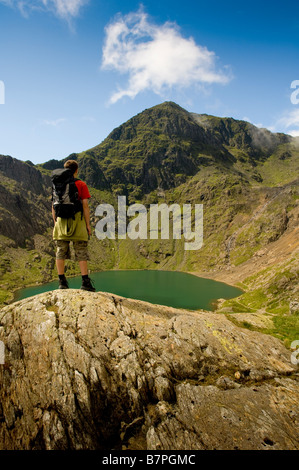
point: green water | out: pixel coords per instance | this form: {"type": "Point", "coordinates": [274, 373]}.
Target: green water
{"type": "Point", "coordinates": [171, 288]}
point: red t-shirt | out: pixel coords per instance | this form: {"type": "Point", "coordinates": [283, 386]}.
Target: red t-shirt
{"type": "Point", "coordinates": [82, 190]}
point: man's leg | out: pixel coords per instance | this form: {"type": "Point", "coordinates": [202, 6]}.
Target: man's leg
{"type": "Point", "coordinates": [83, 268]}
{"type": "Point", "coordinates": [82, 257]}
{"type": "Point", "coordinates": [61, 254]}
{"type": "Point", "coordinates": [60, 266]}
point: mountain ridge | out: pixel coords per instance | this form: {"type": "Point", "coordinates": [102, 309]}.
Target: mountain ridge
{"type": "Point", "coordinates": [164, 145]}
{"type": "Point", "coordinates": [244, 176]}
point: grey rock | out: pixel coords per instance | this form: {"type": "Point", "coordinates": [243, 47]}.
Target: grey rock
{"type": "Point", "coordinates": [90, 370]}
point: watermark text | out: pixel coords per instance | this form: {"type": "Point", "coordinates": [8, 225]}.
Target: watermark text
{"type": "Point", "coordinates": [159, 222]}
{"type": "Point", "coordinates": [295, 94]}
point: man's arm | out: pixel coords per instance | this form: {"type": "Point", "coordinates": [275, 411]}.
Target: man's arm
{"type": "Point", "coordinates": [53, 214]}
{"type": "Point", "coordinates": [86, 215]}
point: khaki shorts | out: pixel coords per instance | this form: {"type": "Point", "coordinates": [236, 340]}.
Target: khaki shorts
{"type": "Point", "coordinates": [63, 250]}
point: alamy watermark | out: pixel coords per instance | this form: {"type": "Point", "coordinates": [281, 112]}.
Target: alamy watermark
{"type": "Point", "coordinates": [295, 95]}
{"type": "Point", "coordinates": [2, 92]}
{"type": "Point", "coordinates": [154, 224]}
{"type": "Point", "coordinates": [2, 353]}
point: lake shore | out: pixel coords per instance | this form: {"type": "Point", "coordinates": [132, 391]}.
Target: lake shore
{"type": "Point", "coordinates": [176, 289]}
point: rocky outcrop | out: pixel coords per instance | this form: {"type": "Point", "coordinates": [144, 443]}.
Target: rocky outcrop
{"type": "Point", "coordinates": [25, 174]}
{"type": "Point", "coordinates": [96, 371]}
{"type": "Point", "coordinates": [25, 205]}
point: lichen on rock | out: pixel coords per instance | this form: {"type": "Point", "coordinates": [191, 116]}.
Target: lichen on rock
{"type": "Point", "coordinates": [97, 371]}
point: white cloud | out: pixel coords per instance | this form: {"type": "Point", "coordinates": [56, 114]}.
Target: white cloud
{"type": "Point", "coordinates": [88, 119]}
{"type": "Point", "coordinates": [156, 57]}
{"type": "Point", "coordinates": [290, 119]}
{"type": "Point", "coordinates": [53, 123]}
{"type": "Point", "coordinates": [289, 122]}
{"type": "Point", "coordinates": [294, 132]}
{"type": "Point", "coordinates": [66, 9]}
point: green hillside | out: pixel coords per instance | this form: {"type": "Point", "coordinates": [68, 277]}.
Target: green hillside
{"type": "Point", "coordinates": [245, 177]}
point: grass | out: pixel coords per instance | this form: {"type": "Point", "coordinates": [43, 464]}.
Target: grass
{"type": "Point", "coordinates": [270, 292]}
{"type": "Point", "coordinates": [285, 327]}
{"type": "Point", "coordinates": [280, 168]}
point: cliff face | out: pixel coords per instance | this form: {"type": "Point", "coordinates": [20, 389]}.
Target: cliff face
{"type": "Point", "coordinates": [95, 371]}
{"type": "Point", "coordinates": [24, 200]}
{"type": "Point", "coordinates": [24, 173]}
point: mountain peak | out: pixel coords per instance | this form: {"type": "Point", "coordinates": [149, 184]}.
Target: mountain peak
{"type": "Point", "coordinates": [164, 145]}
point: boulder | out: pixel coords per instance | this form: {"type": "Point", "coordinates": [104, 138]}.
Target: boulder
{"type": "Point", "coordinates": [86, 370]}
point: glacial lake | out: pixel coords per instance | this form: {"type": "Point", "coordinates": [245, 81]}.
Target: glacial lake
{"type": "Point", "coordinates": [171, 288]}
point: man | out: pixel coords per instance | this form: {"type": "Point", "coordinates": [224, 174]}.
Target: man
{"type": "Point", "coordinates": [75, 229]}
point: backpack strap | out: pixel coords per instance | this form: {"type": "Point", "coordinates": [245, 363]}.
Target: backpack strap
{"type": "Point", "coordinates": [81, 205]}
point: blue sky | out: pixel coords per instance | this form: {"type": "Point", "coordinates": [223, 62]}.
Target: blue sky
{"type": "Point", "coordinates": [73, 70]}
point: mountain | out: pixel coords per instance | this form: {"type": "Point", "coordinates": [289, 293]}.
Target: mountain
{"type": "Point", "coordinates": [245, 177]}
{"type": "Point", "coordinates": [165, 145]}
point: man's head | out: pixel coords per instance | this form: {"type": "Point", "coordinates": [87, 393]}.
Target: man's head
{"type": "Point", "coordinates": [72, 165]}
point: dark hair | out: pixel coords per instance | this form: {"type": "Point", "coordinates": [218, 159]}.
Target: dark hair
{"type": "Point", "coordinates": [72, 165]}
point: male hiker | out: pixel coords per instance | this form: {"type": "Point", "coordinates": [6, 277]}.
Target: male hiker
{"type": "Point", "coordinates": [70, 212]}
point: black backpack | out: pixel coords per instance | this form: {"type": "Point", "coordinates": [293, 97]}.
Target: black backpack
{"type": "Point", "coordinates": [65, 197]}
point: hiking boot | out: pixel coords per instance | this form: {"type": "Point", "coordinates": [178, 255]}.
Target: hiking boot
{"type": "Point", "coordinates": [63, 284]}
{"type": "Point", "coordinates": [88, 285]}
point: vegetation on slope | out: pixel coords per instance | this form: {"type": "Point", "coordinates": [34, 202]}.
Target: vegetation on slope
{"type": "Point", "coordinates": [243, 176]}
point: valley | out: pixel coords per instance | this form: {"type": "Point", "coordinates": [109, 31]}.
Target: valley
{"type": "Point", "coordinates": [246, 178]}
